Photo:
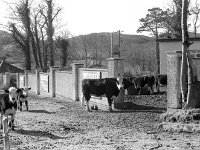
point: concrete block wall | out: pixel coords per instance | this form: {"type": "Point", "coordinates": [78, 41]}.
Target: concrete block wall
{"type": "Point", "coordinates": [63, 84]}
{"type": "Point", "coordinates": [32, 82]}
{"type": "Point", "coordinates": [66, 83]}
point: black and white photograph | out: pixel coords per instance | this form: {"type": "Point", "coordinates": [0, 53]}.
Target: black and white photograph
{"type": "Point", "coordinates": [99, 74]}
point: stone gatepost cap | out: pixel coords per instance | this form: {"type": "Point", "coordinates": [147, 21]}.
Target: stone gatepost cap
{"type": "Point", "coordinates": [110, 59]}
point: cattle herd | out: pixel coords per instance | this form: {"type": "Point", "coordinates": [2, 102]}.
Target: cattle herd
{"type": "Point", "coordinates": [111, 87]}
{"type": "Point", "coordinates": [13, 97]}
{"type": "Point", "coordinates": [10, 100]}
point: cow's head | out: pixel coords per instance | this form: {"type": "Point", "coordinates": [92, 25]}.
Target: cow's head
{"type": "Point", "coordinates": [120, 84]}
{"type": "Point", "coordinates": [13, 92]}
{"type": "Point", "coordinates": [25, 91]}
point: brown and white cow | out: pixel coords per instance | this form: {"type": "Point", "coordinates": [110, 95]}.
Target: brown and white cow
{"type": "Point", "coordinates": [107, 86]}
{"type": "Point", "coordinates": [8, 106]}
{"type": "Point", "coordinates": [22, 97]}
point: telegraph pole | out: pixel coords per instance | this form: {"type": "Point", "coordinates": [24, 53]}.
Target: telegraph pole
{"type": "Point", "coordinates": [111, 45]}
{"type": "Point", "coordinates": [119, 42]}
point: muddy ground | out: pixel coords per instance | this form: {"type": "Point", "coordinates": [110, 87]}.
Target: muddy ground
{"type": "Point", "coordinates": [62, 124]}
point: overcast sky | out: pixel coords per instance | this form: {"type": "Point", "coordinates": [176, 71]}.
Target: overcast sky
{"type": "Point", "coordinates": [89, 16]}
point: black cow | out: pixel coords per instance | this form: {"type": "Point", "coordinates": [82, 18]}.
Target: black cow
{"type": "Point", "coordinates": [161, 80]}
{"type": "Point", "coordinates": [22, 97]}
{"type": "Point", "coordinates": [141, 81]}
{"type": "Point", "coordinates": [108, 86]}
{"type": "Point", "coordinates": [150, 81]}
{"type": "Point", "coordinates": [8, 105]}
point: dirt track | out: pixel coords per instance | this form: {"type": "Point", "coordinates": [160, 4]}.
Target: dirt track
{"type": "Point", "coordinates": [62, 124]}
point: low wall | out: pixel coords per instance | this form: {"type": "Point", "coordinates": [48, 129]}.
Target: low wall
{"type": "Point", "coordinates": [32, 82]}
{"type": "Point", "coordinates": [64, 84]}
{"type": "Point", "coordinates": [44, 83]}
{"type": "Point", "coordinates": [59, 82]}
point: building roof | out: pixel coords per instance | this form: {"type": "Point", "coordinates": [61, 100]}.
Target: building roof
{"type": "Point", "coordinates": [178, 40]}
{"type": "Point", "coordinates": [6, 67]}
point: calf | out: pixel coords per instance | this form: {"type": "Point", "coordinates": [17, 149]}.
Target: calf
{"type": "Point", "coordinates": [161, 80]}
{"type": "Point", "coordinates": [98, 87]}
{"type": "Point", "coordinates": [8, 105]}
{"type": "Point", "coordinates": [22, 97]}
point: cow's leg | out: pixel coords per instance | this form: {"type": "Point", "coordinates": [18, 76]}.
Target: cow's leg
{"type": "Point", "coordinates": [158, 87]}
{"type": "Point", "coordinates": [88, 106]}
{"type": "Point", "coordinates": [140, 89]}
{"type": "Point", "coordinates": [1, 121]}
{"type": "Point", "coordinates": [4, 124]}
{"type": "Point", "coordinates": [110, 100]}
{"type": "Point", "coordinates": [12, 121]}
{"type": "Point", "coordinates": [150, 90]}
{"type": "Point", "coordinates": [20, 105]}
{"type": "Point", "coordinates": [26, 103]}
{"type": "Point", "coordinates": [87, 97]}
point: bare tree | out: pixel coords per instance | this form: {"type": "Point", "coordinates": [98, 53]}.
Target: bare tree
{"type": "Point", "coordinates": [188, 70]}
{"type": "Point", "coordinates": [49, 17]}
{"type": "Point", "coordinates": [23, 37]}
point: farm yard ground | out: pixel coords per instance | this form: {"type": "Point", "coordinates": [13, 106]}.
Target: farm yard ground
{"type": "Point", "coordinates": [62, 124]}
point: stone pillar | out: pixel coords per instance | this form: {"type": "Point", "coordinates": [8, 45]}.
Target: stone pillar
{"type": "Point", "coordinates": [116, 68]}
{"type": "Point", "coordinates": [75, 75]}
{"type": "Point", "coordinates": [26, 78]}
{"type": "Point", "coordinates": [52, 81]}
{"type": "Point", "coordinates": [18, 81]}
{"type": "Point", "coordinates": [37, 81]}
{"type": "Point", "coordinates": [173, 80]}
{"type": "Point", "coordinates": [7, 79]}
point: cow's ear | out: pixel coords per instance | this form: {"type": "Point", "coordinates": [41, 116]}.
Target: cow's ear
{"type": "Point", "coordinates": [6, 90]}
{"type": "Point", "coordinates": [29, 88]}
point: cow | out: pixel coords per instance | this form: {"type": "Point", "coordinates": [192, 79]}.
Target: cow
{"type": "Point", "coordinates": [107, 86]}
{"type": "Point", "coordinates": [142, 81]}
{"type": "Point", "coordinates": [22, 97]}
{"type": "Point", "coordinates": [150, 81]}
{"type": "Point", "coordinates": [8, 105]}
{"type": "Point", "coordinates": [161, 80]}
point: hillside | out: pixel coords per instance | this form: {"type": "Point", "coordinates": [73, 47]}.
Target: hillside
{"type": "Point", "coordinates": [137, 50]}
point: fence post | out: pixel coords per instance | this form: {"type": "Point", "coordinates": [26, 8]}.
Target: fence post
{"type": "Point", "coordinates": [116, 68]}
{"type": "Point", "coordinates": [52, 81]}
{"type": "Point", "coordinates": [37, 81]}
{"type": "Point", "coordinates": [17, 80]}
{"type": "Point", "coordinates": [26, 77]}
{"type": "Point", "coordinates": [7, 79]}
{"type": "Point", "coordinates": [75, 75]}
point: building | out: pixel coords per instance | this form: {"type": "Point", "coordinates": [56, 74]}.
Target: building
{"type": "Point", "coordinates": [174, 45]}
